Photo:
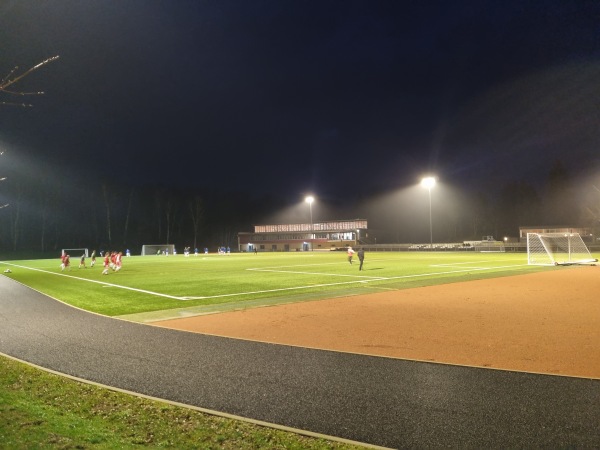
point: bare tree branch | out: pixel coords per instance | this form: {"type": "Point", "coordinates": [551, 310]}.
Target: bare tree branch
{"type": "Point", "coordinates": [11, 79]}
{"type": "Point", "coordinates": [14, 77]}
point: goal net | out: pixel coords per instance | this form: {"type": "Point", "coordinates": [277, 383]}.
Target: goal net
{"type": "Point", "coordinates": [552, 249]}
{"type": "Point", "coordinates": [489, 246]}
{"type": "Point", "coordinates": [72, 252]}
{"type": "Point", "coordinates": [163, 249]}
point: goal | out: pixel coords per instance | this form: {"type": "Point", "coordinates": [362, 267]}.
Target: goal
{"type": "Point", "coordinates": [75, 251]}
{"type": "Point", "coordinates": [158, 249]}
{"type": "Point", "coordinates": [553, 249]}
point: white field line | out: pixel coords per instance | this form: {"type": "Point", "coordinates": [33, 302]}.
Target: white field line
{"type": "Point", "coordinates": [464, 264]}
{"type": "Point", "coordinates": [351, 282]}
{"type": "Point", "coordinates": [277, 290]}
{"type": "Point", "coordinates": [469, 262]}
{"type": "Point", "coordinates": [269, 290]}
{"type": "Point", "coordinates": [337, 263]}
{"type": "Point", "coordinates": [317, 273]}
{"type": "Point", "coordinates": [466, 267]}
{"type": "Point", "coordinates": [95, 281]}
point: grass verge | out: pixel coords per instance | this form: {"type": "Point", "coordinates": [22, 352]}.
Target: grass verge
{"type": "Point", "coordinates": [42, 410]}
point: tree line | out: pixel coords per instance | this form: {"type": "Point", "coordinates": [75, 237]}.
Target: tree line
{"type": "Point", "coordinates": [46, 214]}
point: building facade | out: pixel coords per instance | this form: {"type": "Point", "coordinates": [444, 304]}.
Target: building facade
{"type": "Point", "coordinates": [585, 232]}
{"type": "Point", "coordinates": [295, 237]}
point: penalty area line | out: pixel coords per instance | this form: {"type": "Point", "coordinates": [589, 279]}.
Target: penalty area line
{"type": "Point", "coordinates": [295, 288]}
{"type": "Point", "coordinates": [104, 283]}
{"type": "Point", "coordinates": [459, 264]}
{"type": "Point", "coordinates": [318, 273]}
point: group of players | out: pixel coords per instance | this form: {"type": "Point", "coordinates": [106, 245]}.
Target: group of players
{"type": "Point", "coordinates": [112, 261]}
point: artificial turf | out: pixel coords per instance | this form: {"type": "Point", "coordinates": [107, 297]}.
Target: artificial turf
{"type": "Point", "coordinates": [156, 283]}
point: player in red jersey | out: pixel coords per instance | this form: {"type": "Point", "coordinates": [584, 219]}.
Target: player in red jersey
{"type": "Point", "coordinates": [66, 264]}
{"type": "Point", "coordinates": [118, 259]}
{"type": "Point", "coordinates": [106, 263]}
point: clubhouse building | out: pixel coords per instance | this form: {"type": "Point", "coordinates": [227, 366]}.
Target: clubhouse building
{"type": "Point", "coordinates": [296, 237]}
{"type": "Point", "coordinates": [586, 233]}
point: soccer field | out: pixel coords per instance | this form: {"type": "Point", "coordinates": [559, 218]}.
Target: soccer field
{"type": "Point", "coordinates": [209, 283]}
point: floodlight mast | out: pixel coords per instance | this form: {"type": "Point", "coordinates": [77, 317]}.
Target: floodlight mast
{"type": "Point", "coordinates": [429, 182]}
{"type": "Point", "coordinates": [310, 199]}
{"type": "Point", "coordinates": [2, 179]}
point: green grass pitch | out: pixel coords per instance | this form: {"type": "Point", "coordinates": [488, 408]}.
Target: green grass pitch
{"type": "Point", "coordinates": [164, 287]}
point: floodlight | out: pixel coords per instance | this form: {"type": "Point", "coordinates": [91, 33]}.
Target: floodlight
{"type": "Point", "coordinates": [429, 182]}
{"type": "Point", "coordinates": [310, 199]}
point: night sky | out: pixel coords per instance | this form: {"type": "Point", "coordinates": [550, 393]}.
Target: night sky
{"type": "Point", "coordinates": [337, 98]}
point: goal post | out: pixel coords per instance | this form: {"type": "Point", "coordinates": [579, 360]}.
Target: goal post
{"type": "Point", "coordinates": [75, 252]}
{"type": "Point", "coordinates": [553, 249]}
{"type": "Point", "coordinates": [151, 249]}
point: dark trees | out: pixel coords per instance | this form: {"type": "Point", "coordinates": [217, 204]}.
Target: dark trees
{"type": "Point", "coordinates": [518, 205]}
{"type": "Point", "coordinates": [560, 201]}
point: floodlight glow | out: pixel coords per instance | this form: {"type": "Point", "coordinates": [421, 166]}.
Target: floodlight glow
{"type": "Point", "coordinates": [310, 199]}
{"type": "Point", "coordinates": [428, 182]}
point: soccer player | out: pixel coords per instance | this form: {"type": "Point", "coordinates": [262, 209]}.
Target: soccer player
{"type": "Point", "coordinates": [113, 260]}
{"type": "Point", "coordinates": [93, 257]}
{"type": "Point", "coordinates": [361, 257]}
{"type": "Point", "coordinates": [118, 261]}
{"type": "Point", "coordinates": [66, 262]}
{"type": "Point", "coordinates": [350, 254]}
{"type": "Point", "coordinates": [82, 261]}
{"type": "Point", "coordinates": [106, 263]}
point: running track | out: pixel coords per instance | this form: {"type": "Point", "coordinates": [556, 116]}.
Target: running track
{"type": "Point", "coordinates": [380, 401]}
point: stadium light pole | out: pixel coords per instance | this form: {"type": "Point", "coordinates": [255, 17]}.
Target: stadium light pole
{"type": "Point", "coordinates": [429, 182]}
{"type": "Point", "coordinates": [310, 199]}
{"type": "Point", "coordinates": [2, 179]}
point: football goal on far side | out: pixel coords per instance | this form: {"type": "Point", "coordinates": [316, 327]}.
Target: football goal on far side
{"type": "Point", "coordinates": [75, 252]}
{"type": "Point", "coordinates": [164, 249]}
{"type": "Point", "coordinates": [553, 249]}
